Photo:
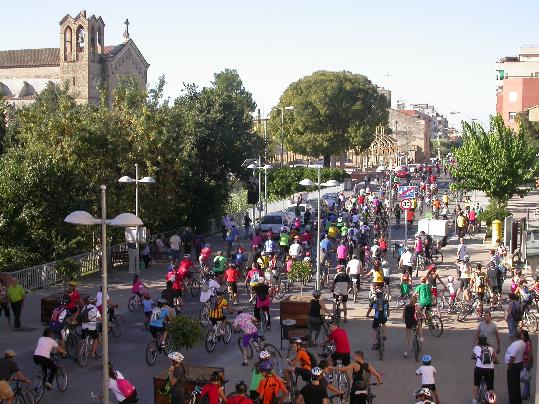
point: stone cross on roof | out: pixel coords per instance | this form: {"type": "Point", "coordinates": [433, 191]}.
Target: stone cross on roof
{"type": "Point", "coordinates": [126, 32]}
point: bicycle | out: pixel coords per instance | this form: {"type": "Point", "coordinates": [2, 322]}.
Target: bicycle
{"type": "Point", "coordinates": [529, 320]}
{"type": "Point", "coordinates": [380, 342]}
{"type": "Point", "coordinates": [265, 323]}
{"type": "Point", "coordinates": [134, 302]}
{"type": "Point", "coordinates": [38, 380]}
{"type": "Point", "coordinates": [472, 230]}
{"type": "Point", "coordinates": [155, 347]}
{"type": "Point", "coordinates": [436, 256]}
{"type": "Point", "coordinates": [69, 336]}
{"type": "Point", "coordinates": [467, 308]}
{"type": "Point", "coordinates": [337, 310]}
{"type": "Point", "coordinates": [416, 343]}
{"type": "Point", "coordinates": [221, 330]}
{"type": "Point", "coordinates": [116, 322]}
{"type": "Point", "coordinates": [444, 301]}
{"type": "Point", "coordinates": [258, 345]}
{"type": "Point", "coordinates": [192, 285]}
{"type": "Point", "coordinates": [340, 380]}
{"type": "Point", "coordinates": [85, 347]}
{"type": "Point", "coordinates": [434, 322]}
{"type": "Point", "coordinates": [368, 392]}
{"type": "Point", "coordinates": [22, 395]}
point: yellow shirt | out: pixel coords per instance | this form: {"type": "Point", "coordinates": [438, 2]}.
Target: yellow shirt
{"type": "Point", "coordinates": [15, 293]}
{"type": "Point", "coordinates": [378, 277]}
{"type": "Point", "coordinates": [445, 198]}
{"type": "Point", "coordinates": [217, 311]}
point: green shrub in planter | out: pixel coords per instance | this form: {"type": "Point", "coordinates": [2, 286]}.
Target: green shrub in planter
{"type": "Point", "coordinates": [185, 332]}
{"type": "Point", "coordinates": [69, 269]}
{"type": "Point", "coordinates": [300, 270]}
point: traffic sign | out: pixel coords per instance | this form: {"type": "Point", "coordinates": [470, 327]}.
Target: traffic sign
{"type": "Point", "coordinates": [406, 204]}
{"type": "Point", "coordinates": [406, 192]}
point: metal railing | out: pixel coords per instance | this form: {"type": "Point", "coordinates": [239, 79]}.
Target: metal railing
{"type": "Point", "coordinates": [46, 275]}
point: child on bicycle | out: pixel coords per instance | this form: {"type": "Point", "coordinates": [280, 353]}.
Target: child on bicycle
{"type": "Point", "coordinates": [427, 372]}
{"type": "Point", "coordinates": [381, 313]}
{"type": "Point", "coordinates": [216, 313]}
{"type": "Point", "coordinates": [138, 286]}
{"type": "Point", "coordinates": [147, 306]}
{"type": "Point", "coordinates": [412, 318]}
{"type": "Point", "coordinates": [406, 284]}
{"type": "Point", "coordinates": [245, 322]}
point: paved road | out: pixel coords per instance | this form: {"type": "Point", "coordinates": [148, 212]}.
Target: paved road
{"type": "Point", "coordinates": [450, 352]}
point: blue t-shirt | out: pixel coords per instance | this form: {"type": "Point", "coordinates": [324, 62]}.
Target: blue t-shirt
{"type": "Point", "coordinates": [147, 305]}
{"type": "Point", "coordinates": [381, 308]}
{"type": "Point", "coordinates": [325, 244]}
{"type": "Point", "coordinates": [159, 320]}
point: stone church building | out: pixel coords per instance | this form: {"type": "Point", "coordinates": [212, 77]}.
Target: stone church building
{"type": "Point", "coordinates": [82, 61]}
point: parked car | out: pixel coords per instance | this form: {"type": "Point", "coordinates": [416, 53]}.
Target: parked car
{"type": "Point", "coordinates": [330, 198]}
{"type": "Point", "coordinates": [302, 208]}
{"type": "Point", "coordinates": [274, 221]}
{"type": "Point", "coordinates": [402, 172]}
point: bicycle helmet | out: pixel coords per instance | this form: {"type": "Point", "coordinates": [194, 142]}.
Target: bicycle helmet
{"type": "Point", "coordinates": [92, 300]}
{"type": "Point", "coordinates": [175, 356]}
{"type": "Point", "coordinates": [431, 268]}
{"type": "Point", "coordinates": [241, 387]}
{"type": "Point", "coordinates": [188, 256]}
{"type": "Point", "coordinates": [297, 341]}
{"type": "Point", "coordinates": [466, 258]}
{"type": "Point", "coordinates": [283, 229]}
{"type": "Point", "coordinates": [491, 397]}
{"type": "Point", "coordinates": [306, 259]}
{"type": "Point", "coordinates": [266, 366]}
{"type": "Point", "coordinates": [260, 279]}
{"type": "Point", "coordinates": [426, 359]}
{"type": "Point", "coordinates": [339, 267]}
{"type": "Point", "coordinates": [264, 355]}
{"type": "Point", "coordinates": [161, 301]}
{"type": "Point", "coordinates": [316, 372]}
{"type": "Point", "coordinates": [317, 294]}
{"type": "Point", "coordinates": [424, 391]}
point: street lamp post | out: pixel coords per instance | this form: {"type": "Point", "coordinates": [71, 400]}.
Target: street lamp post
{"type": "Point", "coordinates": [128, 180]}
{"type": "Point", "coordinates": [258, 166]}
{"type": "Point", "coordinates": [123, 220]}
{"type": "Point", "coordinates": [309, 183]}
{"type": "Point", "coordinates": [282, 109]}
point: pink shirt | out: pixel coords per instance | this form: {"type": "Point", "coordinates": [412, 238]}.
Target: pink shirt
{"type": "Point", "coordinates": [341, 252]}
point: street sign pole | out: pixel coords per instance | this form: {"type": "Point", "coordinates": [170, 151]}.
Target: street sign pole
{"type": "Point", "coordinates": [406, 229]}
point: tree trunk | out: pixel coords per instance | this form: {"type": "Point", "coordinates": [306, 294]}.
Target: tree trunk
{"type": "Point", "coordinates": [327, 161]}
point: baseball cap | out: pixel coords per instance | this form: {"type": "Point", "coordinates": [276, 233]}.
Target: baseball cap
{"type": "Point", "coordinates": [10, 353]}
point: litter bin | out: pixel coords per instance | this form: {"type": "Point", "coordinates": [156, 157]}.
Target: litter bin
{"type": "Point", "coordinates": [496, 231]}
{"type": "Point", "coordinates": [286, 326]}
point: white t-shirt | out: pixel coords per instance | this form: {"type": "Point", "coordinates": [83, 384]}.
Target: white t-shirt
{"type": "Point", "coordinates": [295, 250]}
{"type": "Point", "coordinates": [427, 374]}
{"type": "Point", "coordinates": [478, 360]}
{"type": "Point", "coordinates": [386, 271]}
{"type": "Point", "coordinates": [93, 316]}
{"type": "Point", "coordinates": [99, 298]}
{"type": "Point", "coordinates": [516, 349]}
{"type": "Point", "coordinates": [44, 346]}
{"type": "Point", "coordinates": [175, 241]}
{"type": "Point", "coordinates": [374, 250]}
{"type": "Point", "coordinates": [113, 386]}
{"type": "Point", "coordinates": [353, 266]}
{"type": "Point", "coordinates": [213, 286]}
{"type": "Point", "coordinates": [406, 258]}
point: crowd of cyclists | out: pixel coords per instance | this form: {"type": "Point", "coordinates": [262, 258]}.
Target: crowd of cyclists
{"type": "Point", "coordinates": [237, 287]}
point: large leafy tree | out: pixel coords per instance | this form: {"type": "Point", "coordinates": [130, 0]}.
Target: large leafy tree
{"type": "Point", "coordinates": [333, 112]}
{"type": "Point", "coordinates": [496, 162]}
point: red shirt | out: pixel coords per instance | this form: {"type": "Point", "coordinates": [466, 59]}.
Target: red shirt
{"type": "Point", "coordinates": [237, 399]}
{"type": "Point", "coordinates": [184, 266]}
{"type": "Point", "coordinates": [74, 298]}
{"type": "Point", "coordinates": [232, 275]}
{"type": "Point", "coordinates": [212, 390]}
{"type": "Point", "coordinates": [341, 341]}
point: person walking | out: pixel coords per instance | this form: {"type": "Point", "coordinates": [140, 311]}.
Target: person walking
{"type": "Point", "coordinates": [16, 296]}
{"type": "Point", "coordinates": [4, 302]}
{"type": "Point", "coordinates": [528, 364]}
{"type": "Point", "coordinates": [247, 224]}
{"type": "Point", "coordinates": [514, 358]}
{"type": "Point", "coordinates": [488, 329]}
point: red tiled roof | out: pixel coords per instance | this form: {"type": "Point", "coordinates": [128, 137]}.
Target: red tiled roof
{"type": "Point", "coordinates": [30, 58]}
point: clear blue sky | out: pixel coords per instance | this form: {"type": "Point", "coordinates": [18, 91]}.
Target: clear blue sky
{"type": "Point", "coordinates": [437, 52]}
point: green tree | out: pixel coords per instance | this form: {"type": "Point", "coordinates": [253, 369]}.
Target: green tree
{"type": "Point", "coordinates": [532, 128]}
{"type": "Point", "coordinates": [333, 112]}
{"type": "Point", "coordinates": [497, 162]}
{"type": "Point", "coordinates": [283, 182]}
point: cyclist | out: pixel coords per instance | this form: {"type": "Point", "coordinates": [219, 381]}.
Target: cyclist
{"type": "Point", "coordinates": [411, 316]}
{"type": "Point", "coordinates": [433, 279]}
{"type": "Point", "coordinates": [361, 374]}
{"type": "Point", "coordinates": [301, 365]}
{"type": "Point", "coordinates": [263, 301]}
{"type": "Point", "coordinates": [479, 283]}
{"type": "Point", "coordinates": [427, 372]}
{"type": "Point", "coordinates": [424, 295]}
{"type": "Point", "coordinates": [214, 390]}
{"type": "Point", "coordinates": [284, 241]}
{"type": "Point", "coordinates": [205, 256]}
{"type": "Point", "coordinates": [485, 358]}
{"type": "Point", "coordinates": [405, 285]}
{"type": "Point", "coordinates": [57, 322]}
{"type": "Point", "coordinates": [240, 395]}
{"type": "Point", "coordinates": [232, 275]}
{"type": "Point", "coordinates": [313, 392]}
{"type": "Point", "coordinates": [247, 324]}
{"type": "Point", "coordinates": [405, 261]}
{"type": "Point", "coordinates": [327, 374]}
{"type": "Point", "coordinates": [216, 313]}
{"type": "Point", "coordinates": [209, 287]}
{"type": "Point", "coordinates": [9, 368]}
{"type": "Point", "coordinates": [271, 386]}
{"type": "Point", "coordinates": [445, 199]}
{"type": "Point", "coordinates": [158, 319]}
{"type": "Point", "coordinates": [42, 356]}
{"type": "Point", "coordinates": [381, 313]}
{"type": "Point", "coordinates": [137, 287]}
{"type": "Point", "coordinates": [352, 269]}
{"type": "Point", "coordinates": [342, 252]}
{"type": "Point", "coordinates": [169, 294]}
{"type": "Point", "coordinates": [316, 306]}
{"type": "Point", "coordinates": [340, 287]}
{"type": "Point", "coordinates": [90, 316]}
{"type": "Point", "coordinates": [219, 265]}
{"type": "Point", "coordinates": [464, 273]}
{"type": "Point", "coordinates": [295, 250]}
{"type": "Point", "coordinates": [339, 337]}
{"type": "Point", "coordinates": [423, 396]}
{"type": "Point", "coordinates": [256, 374]}
{"type": "Point", "coordinates": [75, 301]}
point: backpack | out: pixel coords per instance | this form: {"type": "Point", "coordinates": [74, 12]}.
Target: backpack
{"type": "Point", "coordinates": [125, 387]}
{"type": "Point", "coordinates": [486, 356]}
{"type": "Point", "coordinates": [85, 314]}
{"type": "Point", "coordinates": [55, 324]}
{"type": "Point", "coordinates": [312, 358]}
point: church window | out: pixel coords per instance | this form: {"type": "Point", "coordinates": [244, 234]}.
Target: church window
{"type": "Point", "coordinates": [100, 40]}
{"type": "Point", "coordinates": [68, 49]}
{"type": "Point", "coordinates": [92, 40]}
{"type": "Point", "coordinates": [73, 81]}
{"type": "Point", "coordinates": [81, 38]}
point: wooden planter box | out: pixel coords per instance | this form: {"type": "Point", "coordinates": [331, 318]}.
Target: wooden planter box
{"type": "Point", "coordinates": [194, 373]}
{"type": "Point", "coordinates": [49, 303]}
{"type": "Point", "coordinates": [294, 308]}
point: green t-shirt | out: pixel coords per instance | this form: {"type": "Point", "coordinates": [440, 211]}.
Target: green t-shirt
{"type": "Point", "coordinates": [219, 264]}
{"type": "Point", "coordinates": [255, 380]}
{"type": "Point", "coordinates": [15, 293]}
{"type": "Point", "coordinates": [405, 289]}
{"type": "Point", "coordinates": [424, 292]}
{"type": "Point", "coordinates": [344, 231]}
{"type": "Point", "coordinates": [284, 239]}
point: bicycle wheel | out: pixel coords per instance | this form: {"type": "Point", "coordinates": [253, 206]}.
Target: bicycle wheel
{"type": "Point", "coordinates": [441, 302]}
{"type": "Point", "coordinates": [436, 326]}
{"type": "Point", "coordinates": [203, 316]}
{"type": "Point", "coordinates": [227, 333]}
{"type": "Point", "coordinates": [84, 351]}
{"type": "Point", "coordinates": [25, 397]}
{"type": "Point", "coordinates": [117, 325]}
{"type": "Point", "coordinates": [71, 345]}
{"type": "Point", "coordinates": [380, 344]}
{"type": "Point", "coordinates": [167, 348]}
{"type": "Point", "coordinates": [530, 321]}
{"type": "Point", "coordinates": [249, 348]}
{"type": "Point", "coordinates": [132, 303]}
{"type": "Point", "coordinates": [277, 358]}
{"type": "Point", "coordinates": [342, 383]}
{"type": "Point", "coordinates": [263, 323]}
{"type": "Point", "coordinates": [62, 378]}
{"type": "Point", "coordinates": [437, 257]}
{"type": "Point", "coordinates": [416, 347]}
{"type": "Point", "coordinates": [37, 388]}
{"type": "Point", "coordinates": [151, 352]}
{"type": "Point", "coordinates": [282, 290]}
{"type": "Point", "coordinates": [211, 340]}
{"type": "Point", "coordinates": [195, 287]}
{"type": "Point", "coordinates": [463, 312]}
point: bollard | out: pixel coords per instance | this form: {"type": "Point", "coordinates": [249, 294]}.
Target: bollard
{"type": "Point", "coordinates": [496, 231]}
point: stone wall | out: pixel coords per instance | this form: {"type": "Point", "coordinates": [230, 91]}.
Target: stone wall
{"type": "Point", "coordinates": [412, 134]}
